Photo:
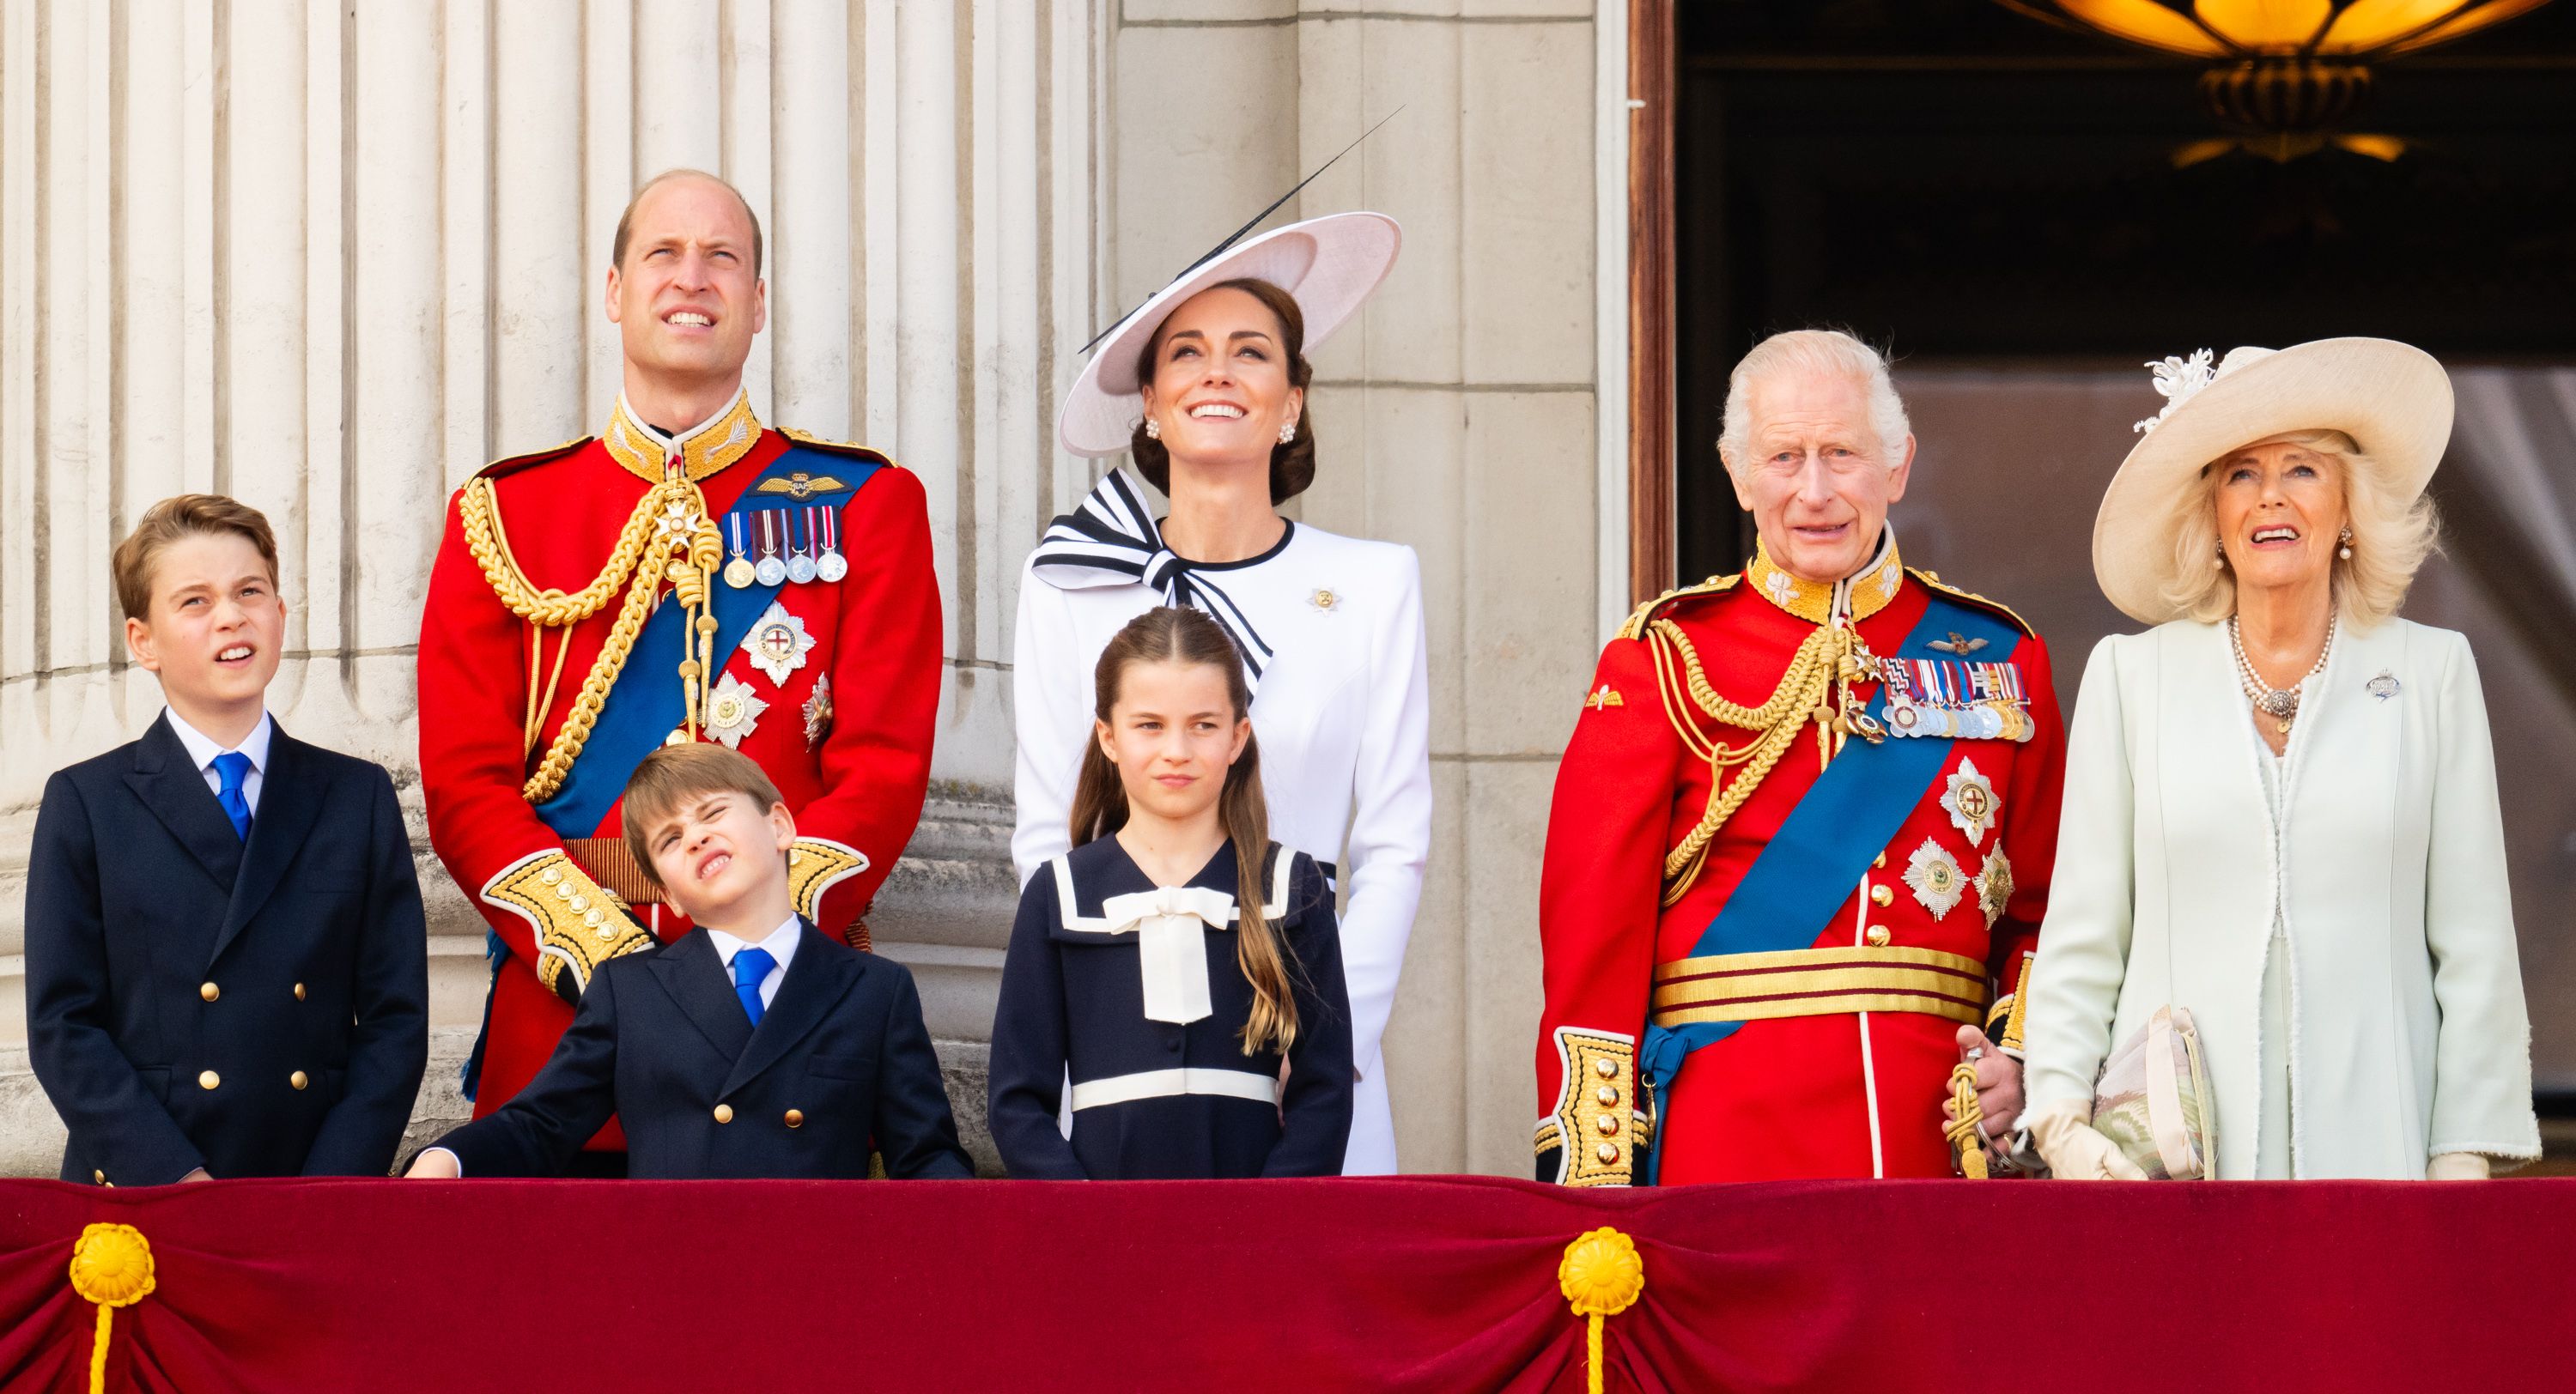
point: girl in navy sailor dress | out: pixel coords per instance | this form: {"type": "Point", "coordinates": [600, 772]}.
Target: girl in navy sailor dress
{"type": "Point", "coordinates": [1199, 1040]}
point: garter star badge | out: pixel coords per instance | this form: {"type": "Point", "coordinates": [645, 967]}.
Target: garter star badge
{"type": "Point", "coordinates": [1972, 802]}
{"type": "Point", "coordinates": [777, 643]}
{"type": "Point", "coordinates": [733, 710]}
{"type": "Point", "coordinates": [1994, 886]}
{"type": "Point", "coordinates": [1935, 876]}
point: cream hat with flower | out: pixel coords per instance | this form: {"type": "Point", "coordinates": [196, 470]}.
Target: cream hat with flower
{"type": "Point", "coordinates": [2393, 399]}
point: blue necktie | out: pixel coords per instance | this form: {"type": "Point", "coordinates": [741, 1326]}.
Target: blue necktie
{"type": "Point", "coordinates": [232, 767]}
{"type": "Point", "coordinates": [749, 967]}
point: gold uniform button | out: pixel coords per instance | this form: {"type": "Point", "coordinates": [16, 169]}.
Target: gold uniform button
{"type": "Point", "coordinates": [209, 1080]}
{"type": "Point", "coordinates": [724, 1113]}
{"type": "Point", "coordinates": [1608, 1153]}
{"type": "Point", "coordinates": [1609, 1095]}
{"type": "Point", "coordinates": [1608, 1067]}
{"type": "Point", "coordinates": [1878, 935]}
{"type": "Point", "coordinates": [99, 1176]}
{"type": "Point", "coordinates": [298, 1079]}
{"type": "Point", "coordinates": [795, 1118]}
{"type": "Point", "coordinates": [1880, 861]}
{"type": "Point", "coordinates": [1609, 1125]}
{"type": "Point", "coordinates": [209, 991]}
{"type": "Point", "coordinates": [1881, 896]}
{"type": "Point", "coordinates": [299, 992]}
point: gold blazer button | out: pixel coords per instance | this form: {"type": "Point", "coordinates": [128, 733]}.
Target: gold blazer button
{"type": "Point", "coordinates": [209, 991]}
{"type": "Point", "coordinates": [209, 1080]}
{"type": "Point", "coordinates": [299, 992]}
{"type": "Point", "coordinates": [724, 1113]}
{"type": "Point", "coordinates": [298, 1079]}
{"type": "Point", "coordinates": [795, 1118]}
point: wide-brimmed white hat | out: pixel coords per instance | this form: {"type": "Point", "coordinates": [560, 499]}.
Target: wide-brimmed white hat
{"type": "Point", "coordinates": [2393, 399]}
{"type": "Point", "coordinates": [1328, 265]}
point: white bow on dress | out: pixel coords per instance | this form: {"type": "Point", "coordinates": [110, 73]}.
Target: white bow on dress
{"type": "Point", "coordinates": [1171, 946]}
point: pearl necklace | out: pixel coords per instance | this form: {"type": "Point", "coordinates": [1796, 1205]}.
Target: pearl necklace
{"type": "Point", "coordinates": [2279, 703]}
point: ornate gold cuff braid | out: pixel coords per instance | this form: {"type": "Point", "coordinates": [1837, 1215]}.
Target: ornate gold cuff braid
{"type": "Point", "coordinates": [1601, 1120]}
{"type": "Point", "coordinates": [578, 924]}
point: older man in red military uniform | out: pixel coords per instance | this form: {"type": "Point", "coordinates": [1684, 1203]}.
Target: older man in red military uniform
{"type": "Point", "coordinates": [1801, 838]}
{"type": "Point", "coordinates": [687, 575]}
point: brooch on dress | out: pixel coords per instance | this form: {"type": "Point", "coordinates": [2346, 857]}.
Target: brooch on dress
{"type": "Point", "coordinates": [2382, 687]}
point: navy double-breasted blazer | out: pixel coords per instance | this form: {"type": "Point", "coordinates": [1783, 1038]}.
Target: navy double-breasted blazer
{"type": "Point", "coordinates": [255, 1008]}
{"type": "Point", "coordinates": [662, 1041]}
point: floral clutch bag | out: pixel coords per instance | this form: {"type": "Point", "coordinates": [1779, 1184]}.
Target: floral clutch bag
{"type": "Point", "coordinates": [2153, 1100]}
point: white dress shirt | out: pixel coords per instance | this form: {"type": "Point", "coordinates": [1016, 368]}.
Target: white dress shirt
{"type": "Point", "coordinates": [203, 749]}
{"type": "Point", "coordinates": [1344, 719]}
{"type": "Point", "coordinates": [781, 945]}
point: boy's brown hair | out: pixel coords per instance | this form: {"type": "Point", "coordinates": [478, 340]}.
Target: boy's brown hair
{"type": "Point", "coordinates": [674, 776]}
{"type": "Point", "coordinates": [166, 522]}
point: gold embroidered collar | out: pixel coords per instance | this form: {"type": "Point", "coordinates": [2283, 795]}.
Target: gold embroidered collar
{"type": "Point", "coordinates": [1862, 594]}
{"type": "Point", "coordinates": [704, 449]}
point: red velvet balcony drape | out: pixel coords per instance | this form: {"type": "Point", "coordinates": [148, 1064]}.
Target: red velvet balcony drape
{"type": "Point", "coordinates": [1443, 1284]}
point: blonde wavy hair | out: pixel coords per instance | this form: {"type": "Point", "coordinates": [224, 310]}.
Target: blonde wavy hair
{"type": "Point", "coordinates": [2391, 536]}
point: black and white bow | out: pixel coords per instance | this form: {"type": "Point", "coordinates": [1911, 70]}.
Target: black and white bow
{"type": "Point", "coordinates": [1111, 540]}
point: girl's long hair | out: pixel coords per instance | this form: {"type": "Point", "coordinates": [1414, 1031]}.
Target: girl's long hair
{"type": "Point", "coordinates": [1189, 637]}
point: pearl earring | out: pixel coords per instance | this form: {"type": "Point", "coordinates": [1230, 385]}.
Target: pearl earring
{"type": "Point", "coordinates": [2219, 562]}
{"type": "Point", "coordinates": [2345, 551]}
{"type": "Point", "coordinates": [1153, 429]}
{"type": "Point", "coordinates": [1287, 432]}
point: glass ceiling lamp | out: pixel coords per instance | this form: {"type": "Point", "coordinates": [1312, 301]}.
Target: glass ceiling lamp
{"type": "Point", "coordinates": [2284, 71]}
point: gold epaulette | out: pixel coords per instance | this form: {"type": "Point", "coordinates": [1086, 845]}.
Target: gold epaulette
{"type": "Point", "coordinates": [1933, 579]}
{"type": "Point", "coordinates": [837, 447]}
{"type": "Point", "coordinates": [513, 463]}
{"type": "Point", "coordinates": [1635, 627]}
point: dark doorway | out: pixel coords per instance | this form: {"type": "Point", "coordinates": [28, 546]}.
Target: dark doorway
{"type": "Point", "coordinates": [1958, 182]}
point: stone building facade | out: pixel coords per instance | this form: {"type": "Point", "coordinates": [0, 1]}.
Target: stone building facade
{"type": "Point", "coordinates": [332, 258]}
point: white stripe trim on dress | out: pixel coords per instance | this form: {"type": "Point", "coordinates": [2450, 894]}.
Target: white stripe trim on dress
{"type": "Point", "coordinates": [1164, 1084]}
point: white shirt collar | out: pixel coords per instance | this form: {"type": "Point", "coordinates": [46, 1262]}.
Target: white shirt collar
{"type": "Point", "coordinates": [781, 943]}
{"type": "Point", "coordinates": [202, 748]}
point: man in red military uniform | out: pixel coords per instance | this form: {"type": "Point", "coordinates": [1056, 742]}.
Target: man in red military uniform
{"type": "Point", "coordinates": [1800, 843]}
{"type": "Point", "coordinates": [687, 575]}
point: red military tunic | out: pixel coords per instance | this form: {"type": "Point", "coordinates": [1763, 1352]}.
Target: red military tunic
{"type": "Point", "coordinates": [840, 716]}
{"type": "Point", "coordinates": [1841, 1061]}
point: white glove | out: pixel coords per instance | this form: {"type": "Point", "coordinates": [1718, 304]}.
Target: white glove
{"type": "Point", "coordinates": [2457, 1166]}
{"type": "Point", "coordinates": [2075, 1151]}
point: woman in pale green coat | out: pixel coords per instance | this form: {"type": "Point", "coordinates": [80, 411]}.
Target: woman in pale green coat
{"type": "Point", "coordinates": [2281, 801]}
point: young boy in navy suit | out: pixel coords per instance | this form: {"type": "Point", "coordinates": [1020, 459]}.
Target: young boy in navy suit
{"type": "Point", "coordinates": [753, 1045]}
{"type": "Point", "coordinates": [227, 969]}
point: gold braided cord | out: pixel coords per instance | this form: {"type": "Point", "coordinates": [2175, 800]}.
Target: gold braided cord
{"type": "Point", "coordinates": [1799, 697]}
{"type": "Point", "coordinates": [479, 508]}
{"type": "Point", "coordinates": [575, 732]}
{"type": "Point", "coordinates": [1965, 1115]}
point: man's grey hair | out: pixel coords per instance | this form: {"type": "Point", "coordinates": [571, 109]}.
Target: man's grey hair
{"type": "Point", "coordinates": [1813, 351]}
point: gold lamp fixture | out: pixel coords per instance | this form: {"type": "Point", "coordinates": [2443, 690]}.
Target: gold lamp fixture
{"type": "Point", "coordinates": [2284, 72]}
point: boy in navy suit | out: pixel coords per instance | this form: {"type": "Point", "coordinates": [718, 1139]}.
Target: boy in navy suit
{"type": "Point", "coordinates": [226, 964]}
{"type": "Point", "coordinates": [753, 1045]}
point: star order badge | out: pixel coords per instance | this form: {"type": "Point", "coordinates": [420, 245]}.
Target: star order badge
{"type": "Point", "coordinates": [1935, 876]}
{"type": "Point", "coordinates": [1994, 886]}
{"type": "Point", "coordinates": [777, 643]}
{"type": "Point", "coordinates": [1972, 802]}
{"type": "Point", "coordinates": [733, 711]}
{"type": "Point", "coordinates": [818, 712]}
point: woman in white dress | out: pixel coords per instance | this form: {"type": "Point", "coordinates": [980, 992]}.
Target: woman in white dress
{"type": "Point", "coordinates": [2281, 804]}
{"type": "Point", "coordinates": [1206, 384]}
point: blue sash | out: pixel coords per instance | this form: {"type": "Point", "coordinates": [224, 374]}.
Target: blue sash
{"type": "Point", "coordinates": [1812, 863]}
{"type": "Point", "coordinates": [641, 712]}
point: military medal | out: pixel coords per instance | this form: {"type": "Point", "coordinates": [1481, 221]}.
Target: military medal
{"type": "Point", "coordinates": [739, 572]}
{"type": "Point", "coordinates": [818, 711]}
{"type": "Point", "coordinates": [800, 555]}
{"type": "Point", "coordinates": [1935, 876]}
{"type": "Point", "coordinates": [832, 566]}
{"type": "Point", "coordinates": [733, 710]}
{"type": "Point", "coordinates": [772, 571]}
{"type": "Point", "coordinates": [1971, 801]}
{"type": "Point", "coordinates": [777, 643]}
{"type": "Point", "coordinates": [1995, 885]}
